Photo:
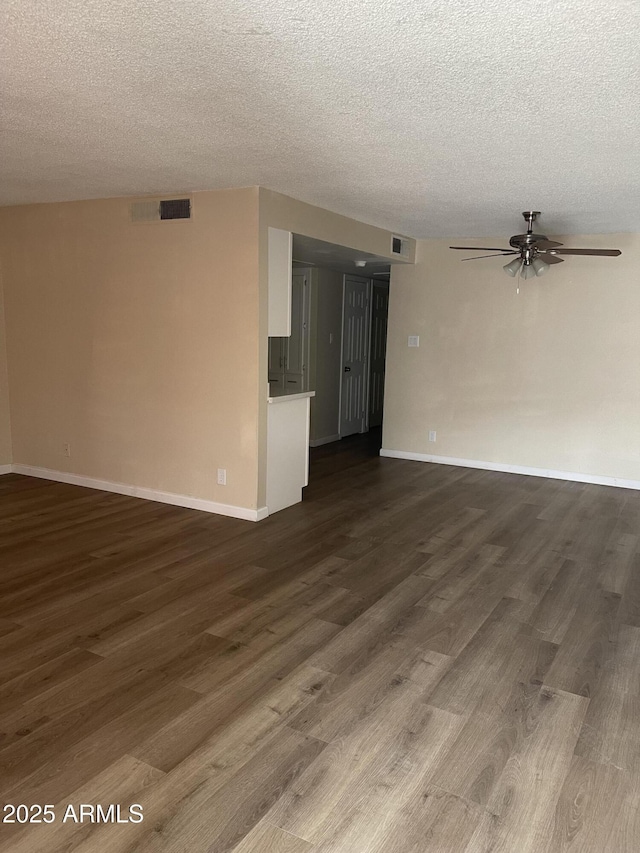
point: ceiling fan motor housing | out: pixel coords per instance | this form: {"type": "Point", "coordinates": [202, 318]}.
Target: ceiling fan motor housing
{"type": "Point", "coordinates": [525, 241]}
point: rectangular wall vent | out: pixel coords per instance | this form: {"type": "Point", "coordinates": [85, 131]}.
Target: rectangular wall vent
{"type": "Point", "coordinates": [145, 211]}
{"type": "Point", "coordinates": [399, 246]}
{"type": "Point", "coordinates": [175, 208]}
{"type": "Point", "coordinates": [157, 209]}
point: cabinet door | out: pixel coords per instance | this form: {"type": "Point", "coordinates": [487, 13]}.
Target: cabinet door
{"type": "Point", "coordinates": [280, 245]}
{"type": "Point", "coordinates": [276, 383]}
{"type": "Point", "coordinates": [293, 382]}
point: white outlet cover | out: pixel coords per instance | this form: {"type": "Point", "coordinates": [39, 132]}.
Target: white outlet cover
{"type": "Point", "coordinates": [432, 435]}
{"type": "Point", "coordinates": [414, 341]}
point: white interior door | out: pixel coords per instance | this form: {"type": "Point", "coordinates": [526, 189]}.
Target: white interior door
{"type": "Point", "coordinates": [355, 355]}
{"type": "Point", "coordinates": [379, 318]}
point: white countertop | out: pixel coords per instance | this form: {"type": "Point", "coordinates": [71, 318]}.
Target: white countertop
{"type": "Point", "coordinates": [284, 397]}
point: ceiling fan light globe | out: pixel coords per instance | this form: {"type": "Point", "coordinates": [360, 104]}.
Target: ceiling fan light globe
{"type": "Point", "coordinates": [528, 271]}
{"type": "Point", "coordinates": [539, 266]}
{"type": "Point", "coordinates": [513, 267]}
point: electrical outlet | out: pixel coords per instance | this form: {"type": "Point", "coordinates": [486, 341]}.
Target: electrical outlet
{"type": "Point", "coordinates": [67, 450]}
{"type": "Point", "coordinates": [413, 341]}
{"type": "Point", "coordinates": [222, 476]}
{"type": "Point", "coordinates": [432, 435]}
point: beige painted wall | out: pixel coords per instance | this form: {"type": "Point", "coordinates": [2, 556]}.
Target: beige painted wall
{"type": "Point", "coordinates": [5, 423]}
{"type": "Point", "coordinates": [280, 211]}
{"type": "Point", "coordinates": [137, 344]}
{"type": "Point", "coordinates": [549, 378]}
{"type": "Point", "coordinates": [326, 338]}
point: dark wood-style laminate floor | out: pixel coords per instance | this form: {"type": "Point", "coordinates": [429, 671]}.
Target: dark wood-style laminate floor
{"type": "Point", "coordinates": [417, 658]}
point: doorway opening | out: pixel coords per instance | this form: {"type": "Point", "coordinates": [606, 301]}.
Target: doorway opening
{"type": "Point", "coordinates": [365, 313]}
{"type": "Point", "coordinates": [337, 348]}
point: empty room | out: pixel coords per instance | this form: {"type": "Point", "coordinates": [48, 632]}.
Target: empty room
{"type": "Point", "coordinates": [319, 426]}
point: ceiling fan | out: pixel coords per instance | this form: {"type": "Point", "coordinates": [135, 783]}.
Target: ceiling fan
{"type": "Point", "coordinates": [534, 251]}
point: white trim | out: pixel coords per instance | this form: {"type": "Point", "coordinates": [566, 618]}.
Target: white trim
{"type": "Point", "coordinates": [284, 398]}
{"type": "Point", "coordinates": [317, 442]}
{"type": "Point", "coordinates": [141, 492]}
{"type": "Point", "coordinates": [514, 469]}
{"type": "Point", "coordinates": [6, 469]}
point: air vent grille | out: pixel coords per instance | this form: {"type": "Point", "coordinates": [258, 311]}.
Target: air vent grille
{"type": "Point", "coordinates": [145, 211]}
{"type": "Point", "coordinates": [175, 208]}
{"type": "Point", "coordinates": [157, 209]}
{"type": "Point", "coordinates": [399, 246]}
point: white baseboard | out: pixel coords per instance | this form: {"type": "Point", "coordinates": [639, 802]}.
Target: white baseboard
{"type": "Point", "coordinates": [318, 442]}
{"type": "Point", "coordinates": [140, 492]}
{"type": "Point", "coordinates": [513, 469]}
{"type": "Point", "coordinates": [6, 469]}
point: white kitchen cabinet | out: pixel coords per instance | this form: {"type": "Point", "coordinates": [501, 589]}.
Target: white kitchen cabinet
{"type": "Point", "coordinates": [287, 449]}
{"type": "Point", "coordinates": [279, 260]}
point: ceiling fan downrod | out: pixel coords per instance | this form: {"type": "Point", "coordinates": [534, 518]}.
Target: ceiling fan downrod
{"type": "Point", "coordinates": [530, 217]}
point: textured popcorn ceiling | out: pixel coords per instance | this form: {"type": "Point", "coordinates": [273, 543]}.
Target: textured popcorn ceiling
{"type": "Point", "coordinates": [428, 117]}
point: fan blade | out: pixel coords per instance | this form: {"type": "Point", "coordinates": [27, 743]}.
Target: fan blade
{"type": "Point", "coordinates": [501, 255]}
{"type": "Point", "coordinates": [606, 253]}
{"type": "Point", "coordinates": [548, 258]}
{"type": "Point", "coordinates": [479, 249]}
{"type": "Point", "coordinates": [546, 244]}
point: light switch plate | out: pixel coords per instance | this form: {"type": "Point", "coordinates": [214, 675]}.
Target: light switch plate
{"type": "Point", "coordinates": [414, 341]}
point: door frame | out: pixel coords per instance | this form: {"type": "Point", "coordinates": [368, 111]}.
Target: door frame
{"type": "Point", "coordinates": [387, 287]}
